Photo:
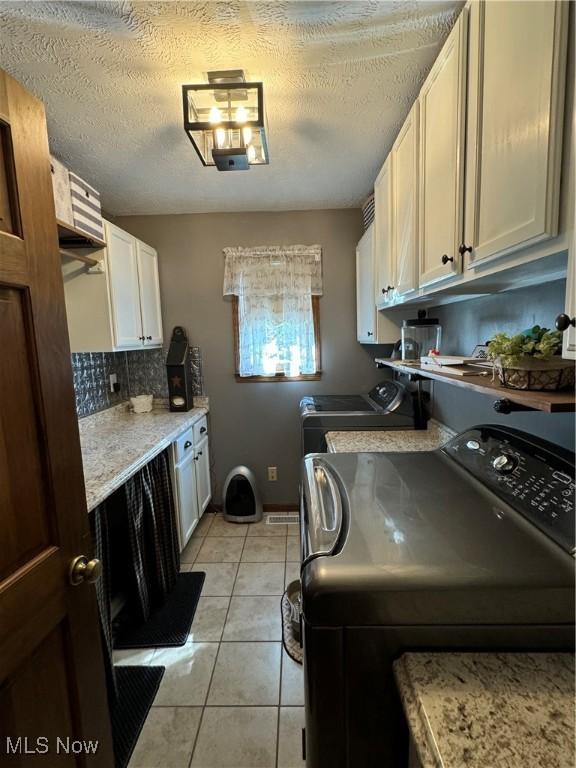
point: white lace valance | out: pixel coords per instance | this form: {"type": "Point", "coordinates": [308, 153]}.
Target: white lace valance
{"type": "Point", "coordinates": [293, 270]}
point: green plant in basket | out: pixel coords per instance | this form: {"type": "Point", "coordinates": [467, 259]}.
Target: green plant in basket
{"type": "Point", "coordinates": [539, 343]}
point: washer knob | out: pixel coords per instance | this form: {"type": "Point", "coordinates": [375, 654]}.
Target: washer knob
{"type": "Point", "coordinates": [503, 463]}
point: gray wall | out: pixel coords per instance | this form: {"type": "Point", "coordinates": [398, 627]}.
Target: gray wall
{"type": "Point", "coordinates": [475, 321]}
{"type": "Point", "coordinates": [257, 423]}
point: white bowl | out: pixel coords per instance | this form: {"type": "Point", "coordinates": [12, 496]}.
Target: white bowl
{"type": "Point", "coordinates": [142, 403]}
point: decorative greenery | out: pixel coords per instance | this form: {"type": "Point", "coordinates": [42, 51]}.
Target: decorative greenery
{"type": "Point", "coordinates": [541, 343]}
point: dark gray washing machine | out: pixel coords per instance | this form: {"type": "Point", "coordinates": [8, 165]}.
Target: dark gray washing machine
{"type": "Point", "coordinates": [465, 548]}
{"type": "Point", "coordinates": [389, 405]}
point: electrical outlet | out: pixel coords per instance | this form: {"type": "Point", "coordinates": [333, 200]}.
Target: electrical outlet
{"type": "Point", "coordinates": [272, 474]}
{"type": "Point", "coordinates": [113, 379]}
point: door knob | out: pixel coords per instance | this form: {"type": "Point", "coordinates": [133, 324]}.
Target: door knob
{"type": "Point", "coordinates": [82, 569]}
{"type": "Point", "coordinates": [563, 322]}
{"type": "Point", "coordinates": [446, 258]}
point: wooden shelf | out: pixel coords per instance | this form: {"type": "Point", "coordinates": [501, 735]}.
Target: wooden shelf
{"type": "Point", "coordinates": [514, 399]}
{"type": "Point", "coordinates": [70, 237]}
{"type": "Point", "coordinates": [73, 256]}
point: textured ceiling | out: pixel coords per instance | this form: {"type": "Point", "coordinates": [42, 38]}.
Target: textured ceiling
{"type": "Point", "coordinates": [339, 78]}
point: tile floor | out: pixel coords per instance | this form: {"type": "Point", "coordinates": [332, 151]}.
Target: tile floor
{"type": "Point", "coordinates": [230, 697]}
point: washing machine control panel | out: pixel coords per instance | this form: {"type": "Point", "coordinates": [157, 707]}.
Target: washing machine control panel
{"type": "Point", "coordinates": [527, 473]}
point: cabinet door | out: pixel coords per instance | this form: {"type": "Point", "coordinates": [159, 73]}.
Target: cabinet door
{"type": "Point", "coordinates": [365, 304]}
{"type": "Point", "coordinates": [149, 294]}
{"type": "Point", "coordinates": [516, 93]}
{"type": "Point", "coordinates": [202, 460]}
{"type": "Point", "coordinates": [569, 340]}
{"type": "Point", "coordinates": [384, 282]}
{"type": "Point", "coordinates": [442, 121]}
{"type": "Point", "coordinates": [405, 205]}
{"type": "Point", "coordinates": [187, 498]}
{"type": "Point", "coordinates": [122, 264]}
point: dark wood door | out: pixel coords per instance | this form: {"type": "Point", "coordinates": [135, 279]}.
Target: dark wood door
{"type": "Point", "coordinates": [52, 681]}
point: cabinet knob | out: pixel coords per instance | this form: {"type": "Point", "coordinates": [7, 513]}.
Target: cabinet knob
{"type": "Point", "coordinates": [370, 333]}
{"type": "Point", "coordinates": [563, 322]}
{"type": "Point", "coordinates": [187, 445]}
{"type": "Point", "coordinates": [388, 288]}
{"type": "Point", "coordinates": [141, 338]}
{"type": "Point", "coordinates": [464, 249]}
{"type": "Point", "coordinates": [149, 338]}
{"type": "Point", "coordinates": [446, 258]}
{"type": "Point", "coordinates": [195, 458]}
{"type": "Point", "coordinates": [202, 430]}
{"type": "Point", "coordinates": [199, 453]}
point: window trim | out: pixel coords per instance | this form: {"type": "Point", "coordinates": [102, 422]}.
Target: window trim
{"type": "Point", "coordinates": [279, 377]}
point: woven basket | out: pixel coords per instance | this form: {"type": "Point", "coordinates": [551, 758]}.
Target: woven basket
{"type": "Point", "coordinates": [534, 374]}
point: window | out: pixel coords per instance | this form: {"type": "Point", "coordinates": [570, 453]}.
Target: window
{"type": "Point", "coordinates": [275, 294]}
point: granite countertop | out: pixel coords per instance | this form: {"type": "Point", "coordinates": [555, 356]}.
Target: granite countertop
{"type": "Point", "coordinates": [480, 710]}
{"type": "Point", "coordinates": [390, 441]}
{"type": "Point", "coordinates": [117, 443]}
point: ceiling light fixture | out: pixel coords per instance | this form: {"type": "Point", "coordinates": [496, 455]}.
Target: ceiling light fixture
{"type": "Point", "coordinates": [224, 119]}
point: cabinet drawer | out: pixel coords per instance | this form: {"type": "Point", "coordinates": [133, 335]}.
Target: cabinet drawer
{"type": "Point", "coordinates": [200, 429]}
{"type": "Point", "coordinates": [183, 445]}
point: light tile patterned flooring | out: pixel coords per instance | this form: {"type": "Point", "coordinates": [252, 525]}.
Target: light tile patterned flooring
{"type": "Point", "coordinates": [230, 697]}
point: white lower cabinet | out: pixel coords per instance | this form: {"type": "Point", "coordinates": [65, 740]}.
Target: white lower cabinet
{"type": "Point", "coordinates": [186, 497]}
{"type": "Point", "coordinates": [203, 488]}
{"type": "Point", "coordinates": [191, 478]}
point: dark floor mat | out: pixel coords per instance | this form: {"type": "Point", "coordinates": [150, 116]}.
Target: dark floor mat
{"type": "Point", "coordinates": [170, 625]}
{"type": "Point", "coordinates": [137, 688]}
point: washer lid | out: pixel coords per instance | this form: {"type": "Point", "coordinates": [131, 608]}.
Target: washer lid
{"type": "Point", "coordinates": [424, 543]}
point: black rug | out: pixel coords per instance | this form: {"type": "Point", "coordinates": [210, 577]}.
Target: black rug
{"type": "Point", "coordinates": [137, 687]}
{"type": "Point", "coordinates": [170, 625]}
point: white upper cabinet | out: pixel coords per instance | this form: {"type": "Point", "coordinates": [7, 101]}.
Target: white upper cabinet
{"type": "Point", "coordinates": [405, 206]}
{"type": "Point", "coordinates": [442, 125]}
{"type": "Point", "coordinates": [149, 289]}
{"type": "Point", "coordinates": [569, 340]}
{"type": "Point", "coordinates": [365, 305]}
{"type": "Point", "coordinates": [115, 306]}
{"type": "Point", "coordinates": [384, 282]}
{"type": "Point", "coordinates": [122, 263]}
{"type": "Point", "coordinates": [517, 65]}
{"type": "Point", "coordinates": [372, 326]}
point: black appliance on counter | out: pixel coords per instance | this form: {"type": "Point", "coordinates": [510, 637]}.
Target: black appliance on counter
{"type": "Point", "coordinates": [179, 372]}
{"type": "Point", "coordinates": [468, 547]}
{"type": "Point", "coordinates": [389, 405]}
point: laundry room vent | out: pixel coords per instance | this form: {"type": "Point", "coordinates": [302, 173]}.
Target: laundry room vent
{"type": "Point", "coordinates": [283, 519]}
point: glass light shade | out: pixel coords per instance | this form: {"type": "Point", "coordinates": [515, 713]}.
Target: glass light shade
{"type": "Point", "coordinates": [226, 116]}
